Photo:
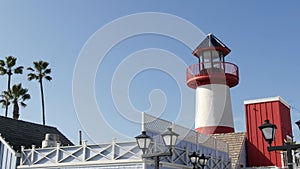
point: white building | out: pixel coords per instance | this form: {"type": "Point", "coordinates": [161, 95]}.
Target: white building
{"type": "Point", "coordinates": [127, 155]}
{"type": "Point", "coordinates": [17, 133]}
{"type": "Point", "coordinates": [8, 156]}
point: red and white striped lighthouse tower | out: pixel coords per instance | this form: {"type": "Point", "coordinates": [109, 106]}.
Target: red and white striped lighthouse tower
{"type": "Point", "coordinates": [212, 77]}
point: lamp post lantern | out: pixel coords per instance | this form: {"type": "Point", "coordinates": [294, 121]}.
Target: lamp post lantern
{"type": "Point", "coordinates": [268, 130]}
{"type": "Point", "coordinates": [194, 158]}
{"type": "Point", "coordinates": [203, 160]}
{"type": "Point", "coordinates": [143, 141]}
{"type": "Point", "coordinates": [169, 139]}
{"type": "Point", "coordinates": [197, 160]}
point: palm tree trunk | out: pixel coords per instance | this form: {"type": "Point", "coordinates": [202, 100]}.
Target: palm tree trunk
{"type": "Point", "coordinates": [9, 79]}
{"type": "Point", "coordinates": [16, 111]}
{"type": "Point", "coordinates": [6, 107]}
{"type": "Point", "coordinates": [8, 89]}
{"type": "Point", "coordinates": [43, 104]}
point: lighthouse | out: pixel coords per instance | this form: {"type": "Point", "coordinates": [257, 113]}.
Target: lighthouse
{"type": "Point", "coordinates": [212, 79]}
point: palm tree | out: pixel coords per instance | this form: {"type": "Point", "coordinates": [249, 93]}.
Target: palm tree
{"type": "Point", "coordinates": [18, 95]}
{"type": "Point", "coordinates": [5, 98]}
{"type": "Point", "coordinates": [39, 72]}
{"type": "Point", "coordinates": [7, 68]}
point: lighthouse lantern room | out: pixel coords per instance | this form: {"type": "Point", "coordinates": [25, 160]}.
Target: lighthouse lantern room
{"type": "Point", "coordinates": [212, 78]}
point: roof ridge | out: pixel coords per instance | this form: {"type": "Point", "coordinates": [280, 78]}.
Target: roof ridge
{"type": "Point", "coordinates": [228, 133]}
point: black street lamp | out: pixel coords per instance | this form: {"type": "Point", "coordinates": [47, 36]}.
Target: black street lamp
{"type": "Point", "coordinates": [169, 139]}
{"type": "Point", "coordinates": [197, 160]}
{"type": "Point", "coordinates": [143, 141]}
{"type": "Point", "coordinates": [194, 158]}
{"type": "Point", "coordinates": [268, 130]}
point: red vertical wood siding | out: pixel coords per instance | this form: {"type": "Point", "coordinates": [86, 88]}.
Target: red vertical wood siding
{"type": "Point", "coordinates": [256, 113]}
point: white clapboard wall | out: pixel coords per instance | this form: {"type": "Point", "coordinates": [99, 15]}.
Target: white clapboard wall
{"type": "Point", "coordinates": [8, 157]}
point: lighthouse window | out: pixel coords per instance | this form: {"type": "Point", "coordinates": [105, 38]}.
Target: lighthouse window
{"type": "Point", "coordinates": [216, 59]}
{"type": "Point", "coordinates": [221, 56]}
{"type": "Point", "coordinates": [215, 55]}
{"type": "Point", "coordinates": [201, 59]}
{"type": "Point", "coordinates": [207, 59]}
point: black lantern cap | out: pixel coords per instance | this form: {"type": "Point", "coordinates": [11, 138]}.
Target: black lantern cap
{"type": "Point", "coordinates": [211, 43]}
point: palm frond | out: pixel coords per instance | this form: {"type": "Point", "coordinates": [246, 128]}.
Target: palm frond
{"type": "Point", "coordinates": [47, 71]}
{"type": "Point", "coordinates": [23, 91]}
{"type": "Point", "coordinates": [49, 78]}
{"type": "Point", "coordinates": [26, 97]}
{"type": "Point", "coordinates": [37, 66]}
{"type": "Point", "coordinates": [23, 104]}
{"type": "Point", "coordinates": [2, 63]}
{"type": "Point", "coordinates": [6, 95]}
{"type": "Point", "coordinates": [32, 76]}
{"type": "Point", "coordinates": [3, 71]}
{"type": "Point", "coordinates": [10, 61]}
{"type": "Point", "coordinates": [30, 68]}
{"type": "Point", "coordinates": [3, 103]}
{"type": "Point", "coordinates": [44, 65]}
{"type": "Point", "coordinates": [19, 70]}
{"type": "Point", "coordinates": [15, 89]}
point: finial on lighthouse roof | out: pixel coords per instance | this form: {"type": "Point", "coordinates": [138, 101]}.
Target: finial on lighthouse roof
{"type": "Point", "coordinates": [211, 43]}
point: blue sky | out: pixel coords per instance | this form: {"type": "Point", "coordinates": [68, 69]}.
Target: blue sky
{"type": "Point", "coordinates": [263, 37]}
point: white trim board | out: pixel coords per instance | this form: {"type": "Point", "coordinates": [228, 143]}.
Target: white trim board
{"type": "Point", "coordinates": [269, 99]}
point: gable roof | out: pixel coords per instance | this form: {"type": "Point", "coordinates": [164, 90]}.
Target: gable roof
{"type": "Point", "coordinates": [235, 141]}
{"type": "Point", "coordinates": [21, 133]}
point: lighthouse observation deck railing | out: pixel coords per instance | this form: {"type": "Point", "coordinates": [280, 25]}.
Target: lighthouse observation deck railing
{"type": "Point", "coordinates": [207, 70]}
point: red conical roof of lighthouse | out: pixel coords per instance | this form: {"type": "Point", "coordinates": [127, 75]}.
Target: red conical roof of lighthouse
{"type": "Point", "coordinates": [211, 43]}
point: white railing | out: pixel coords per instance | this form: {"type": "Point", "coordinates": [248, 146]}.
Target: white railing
{"type": "Point", "coordinates": [83, 154]}
{"type": "Point", "coordinates": [113, 154]}
{"type": "Point", "coordinates": [8, 156]}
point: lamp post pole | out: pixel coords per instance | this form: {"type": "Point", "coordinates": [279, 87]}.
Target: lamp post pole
{"type": "Point", "coordinates": [156, 157]}
{"type": "Point", "coordinates": [156, 162]}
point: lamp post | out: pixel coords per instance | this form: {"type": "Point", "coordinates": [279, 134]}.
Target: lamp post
{"type": "Point", "coordinates": [169, 139]}
{"type": "Point", "coordinates": [268, 130]}
{"type": "Point", "coordinates": [197, 160]}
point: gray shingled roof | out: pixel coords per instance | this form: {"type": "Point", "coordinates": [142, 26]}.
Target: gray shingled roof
{"type": "Point", "coordinates": [235, 142]}
{"type": "Point", "coordinates": [21, 133]}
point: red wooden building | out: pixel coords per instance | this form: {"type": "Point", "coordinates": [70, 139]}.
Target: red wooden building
{"type": "Point", "coordinates": [257, 111]}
